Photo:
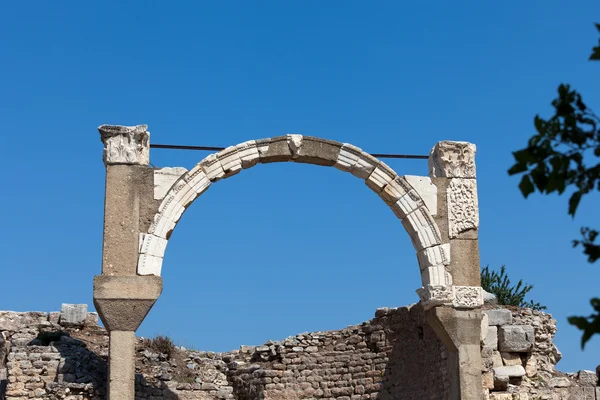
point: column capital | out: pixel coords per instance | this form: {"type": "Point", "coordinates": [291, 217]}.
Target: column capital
{"type": "Point", "coordinates": [125, 144]}
{"type": "Point", "coordinates": [452, 160]}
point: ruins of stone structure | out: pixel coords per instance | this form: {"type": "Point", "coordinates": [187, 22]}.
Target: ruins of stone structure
{"type": "Point", "coordinates": [395, 355]}
{"type": "Point", "coordinates": [439, 212]}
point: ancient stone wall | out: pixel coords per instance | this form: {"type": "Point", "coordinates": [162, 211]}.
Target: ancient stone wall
{"type": "Point", "coordinates": [393, 356]}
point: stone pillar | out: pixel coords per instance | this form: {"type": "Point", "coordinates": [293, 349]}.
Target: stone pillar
{"type": "Point", "coordinates": [455, 315]}
{"type": "Point", "coordinates": [452, 169]}
{"type": "Point", "coordinates": [459, 330]}
{"type": "Point", "coordinates": [123, 298]}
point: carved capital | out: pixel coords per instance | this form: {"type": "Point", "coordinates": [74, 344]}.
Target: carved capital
{"type": "Point", "coordinates": [467, 297]}
{"type": "Point", "coordinates": [434, 295]}
{"type": "Point", "coordinates": [452, 160]}
{"type": "Point", "coordinates": [125, 144]}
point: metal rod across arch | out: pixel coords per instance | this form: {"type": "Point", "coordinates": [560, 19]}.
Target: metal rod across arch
{"type": "Point", "coordinates": [211, 148]}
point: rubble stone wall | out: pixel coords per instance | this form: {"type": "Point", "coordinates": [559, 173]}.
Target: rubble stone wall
{"type": "Point", "coordinates": [393, 356]}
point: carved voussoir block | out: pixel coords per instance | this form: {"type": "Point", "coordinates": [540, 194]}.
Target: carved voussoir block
{"type": "Point", "coordinates": [364, 166]}
{"type": "Point", "coordinates": [174, 204]}
{"type": "Point", "coordinates": [149, 265]}
{"type": "Point", "coordinates": [435, 295]}
{"type": "Point", "coordinates": [164, 179]}
{"type": "Point", "coordinates": [316, 151]}
{"type": "Point", "coordinates": [395, 190]}
{"type": "Point", "coordinates": [467, 296]}
{"type": "Point", "coordinates": [434, 275]}
{"type": "Point", "coordinates": [275, 149]}
{"type": "Point", "coordinates": [198, 181]}
{"type": "Point", "coordinates": [347, 157]}
{"type": "Point", "coordinates": [125, 144]}
{"type": "Point", "coordinates": [452, 160]}
{"type": "Point", "coordinates": [463, 207]}
{"type": "Point", "coordinates": [212, 168]}
{"type": "Point", "coordinates": [230, 161]}
{"type": "Point", "coordinates": [407, 204]}
{"type": "Point", "coordinates": [248, 153]}
{"type": "Point", "coordinates": [435, 255]}
{"type": "Point", "coordinates": [381, 176]}
{"type": "Point", "coordinates": [152, 245]}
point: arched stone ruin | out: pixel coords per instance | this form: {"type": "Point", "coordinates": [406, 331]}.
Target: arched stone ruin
{"type": "Point", "coordinates": [439, 213]}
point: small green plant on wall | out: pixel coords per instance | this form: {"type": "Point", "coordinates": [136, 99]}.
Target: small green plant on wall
{"type": "Point", "coordinates": [499, 284]}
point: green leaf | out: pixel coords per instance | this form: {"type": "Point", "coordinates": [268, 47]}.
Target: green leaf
{"type": "Point", "coordinates": [526, 186]}
{"type": "Point", "coordinates": [517, 168]}
{"type": "Point", "coordinates": [574, 202]}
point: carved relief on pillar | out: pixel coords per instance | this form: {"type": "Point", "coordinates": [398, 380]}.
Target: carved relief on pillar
{"type": "Point", "coordinates": [435, 295]}
{"type": "Point", "coordinates": [125, 144]}
{"type": "Point", "coordinates": [468, 296]}
{"type": "Point", "coordinates": [452, 160]}
{"type": "Point", "coordinates": [463, 207]}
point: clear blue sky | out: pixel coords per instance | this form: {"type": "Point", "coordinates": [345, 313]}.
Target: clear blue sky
{"type": "Point", "coordinates": [285, 248]}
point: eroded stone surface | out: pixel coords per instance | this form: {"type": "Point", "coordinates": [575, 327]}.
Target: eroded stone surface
{"type": "Point", "coordinates": [463, 206]}
{"type": "Point", "coordinates": [452, 160]}
{"type": "Point", "coordinates": [164, 178]}
{"type": "Point", "coordinates": [516, 338]}
{"type": "Point", "coordinates": [73, 314]}
{"type": "Point", "coordinates": [125, 144]}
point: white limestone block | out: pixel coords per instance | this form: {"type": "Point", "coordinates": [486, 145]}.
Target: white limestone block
{"type": "Point", "coordinates": [164, 178]}
{"type": "Point", "coordinates": [198, 181]}
{"type": "Point", "coordinates": [467, 296]}
{"type": "Point", "coordinates": [73, 314]}
{"type": "Point", "coordinates": [348, 157]}
{"type": "Point", "coordinates": [230, 161]}
{"type": "Point", "coordinates": [152, 245]}
{"type": "Point", "coordinates": [484, 327]}
{"type": "Point", "coordinates": [248, 153]}
{"type": "Point", "coordinates": [434, 295]}
{"type": "Point", "coordinates": [463, 206]}
{"type": "Point", "coordinates": [395, 190]}
{"type": "Point", "coordinates": [434, 256]}
{"type": "Point", "coordinates": [407, 204]}
{"type": "Point", "coordinates": [149, 265]}
{"type": "Point", "coordinates": [426, 237]}
{"type": "Point", "coordinates": [425, 189]}
{"type": "Point", "coordinates": [452, 160]}
{"type": "Point", "coordinates": [434, 275]}
{"type": "Point", "coordinates": [381, 176]}
{"type": "Point", "coordinates": [213, 168]}
{"type": "Point", "coordinates": [125, 144]}
{"type": "Point", "coordinates": [294, 142]}
{"type": "Point", "coordinates": [364, 166]}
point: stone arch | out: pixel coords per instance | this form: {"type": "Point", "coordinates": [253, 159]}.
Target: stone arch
{"type": "Point", "coordinates": [412, 199]}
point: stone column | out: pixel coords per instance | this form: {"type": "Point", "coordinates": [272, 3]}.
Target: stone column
{"type": "Point", "coordinates": [123, 298]}
{"type": "Point", "coordinates": [456, 317]}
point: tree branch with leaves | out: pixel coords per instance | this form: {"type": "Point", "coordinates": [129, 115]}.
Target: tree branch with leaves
{"type": "Point", "coordinates": [562, 155]}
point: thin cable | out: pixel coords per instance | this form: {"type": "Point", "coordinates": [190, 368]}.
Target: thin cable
{"type": "Point", "coordinates": [210, 148]}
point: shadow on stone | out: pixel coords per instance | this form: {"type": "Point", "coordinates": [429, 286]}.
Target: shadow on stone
{"type": "Point", "coordinates": [417, 361]}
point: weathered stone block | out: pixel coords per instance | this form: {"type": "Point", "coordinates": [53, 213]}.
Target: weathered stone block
{"type": "Point", "coordinates": [381, 176]}
{"type": "Point", "coordinates": [499, 316]}
{"type": "Point", "coordinates": [512, 371]}
{"type": "Point", "coordinates": [275, 149]}
{"type": "Point", "coordinates": [491, 339]}
{"type": "Point", "coordinates": [516, 338]}
{"type": "Point", "coordinates": [212, 168]}
{"type": "Point", "coordinates": [230, 160]}
{"type": "Point", "coordinates": [317, 151]}
{"type": "Point", "coordinates": [73, 314]}
{"type": "Point", "coordinates": [164, 178]}
{"type": "Point", "coordinates": [510, 359]}
{"type": "Point", "coordinates": [425, 189]}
